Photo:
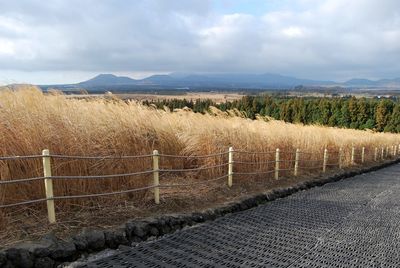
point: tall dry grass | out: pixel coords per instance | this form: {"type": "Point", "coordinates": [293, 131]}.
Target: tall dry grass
{"type": "Point", "coordinates": [31, 122]}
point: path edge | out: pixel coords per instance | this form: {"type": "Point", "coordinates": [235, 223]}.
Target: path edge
{"type": "Point", "coordinates": [51, 251]}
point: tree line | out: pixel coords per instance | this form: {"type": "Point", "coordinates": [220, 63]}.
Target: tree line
{"type": "Point", "coordinates": [346, 112]}
{"type": "Point", "coordinates": [197, 106]}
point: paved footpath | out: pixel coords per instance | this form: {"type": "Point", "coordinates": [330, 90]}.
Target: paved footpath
{"type": "Point", "coordinates": [351, 223]}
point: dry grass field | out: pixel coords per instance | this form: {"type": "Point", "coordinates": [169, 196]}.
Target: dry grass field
{"type": "Point", "coordinates": [216, 97]}
{"type": "Point", "coordinates": [31, 121]}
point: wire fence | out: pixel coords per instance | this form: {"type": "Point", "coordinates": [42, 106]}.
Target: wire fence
{"type": "Point", "coordinates": [232, 165]}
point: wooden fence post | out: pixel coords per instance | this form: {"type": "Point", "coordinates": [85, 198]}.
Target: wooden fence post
{"type": "Point", "coordinates": [352, 155]}
{"type": "Point", "coordinates": [48, 184]}
{"type": "Point", "coordinates": [376, 154]}
{"type": "Point", "coordinates": [156, 178]}
{"type": "Point", "coordinates": [387, 152]}
{"type": "Point", "coordinates": [383, 154]}
{"type": "Point", "coordinates": [325, 160]}
{"type": "Point", "coordinates": [277, 164]}
{"type": "Point", "coordinates": [230, 166]}
{"type": "Point", "coordinates": [340, 157]}
{"type": "Point", "coordinates": [296, 162]}
{"type": "Point", "coordinates": [394, 150]}
{"type": "Point", "coordinates": [363, 155]}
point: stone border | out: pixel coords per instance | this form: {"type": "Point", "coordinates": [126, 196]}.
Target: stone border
{"type": "Point", "coordinates": [51, 251]}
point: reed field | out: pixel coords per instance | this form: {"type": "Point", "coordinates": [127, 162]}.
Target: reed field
{"type": "Point", "coordinates": [31, 121]}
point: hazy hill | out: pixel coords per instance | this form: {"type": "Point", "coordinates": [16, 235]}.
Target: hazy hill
{"type": "Point", "coordinates": [209, 80]}
{"type": "Point", "coordinates": [360, 81]}
{"type": "Point", "coordinates": [224, 80]}
{"type": "Point", "coordinates": [106, 80]}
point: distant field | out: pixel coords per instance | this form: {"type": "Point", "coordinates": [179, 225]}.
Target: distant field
{"type": "Point", "coordinates": [221, 96]}
{"type": "Point", "coordinates": [217, 97]}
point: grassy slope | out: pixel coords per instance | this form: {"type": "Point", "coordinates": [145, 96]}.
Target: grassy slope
{"type": "Point", "coordinates": [30, 122]}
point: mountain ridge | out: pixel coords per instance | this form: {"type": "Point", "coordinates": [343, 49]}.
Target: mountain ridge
{"type": "Point", "coordinates": [228, 80]}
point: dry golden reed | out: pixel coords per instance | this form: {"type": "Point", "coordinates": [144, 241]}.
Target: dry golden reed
{"type": "Point", "coordinates": [31, 121]}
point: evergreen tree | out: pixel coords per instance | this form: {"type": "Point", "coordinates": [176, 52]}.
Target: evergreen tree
{"type": "Point", "coordinates": [362, 113]}
{"type": "Point", "coordinates": [394, 121]}
{"type": "Point", "coordinates": [353, 110]}
{"type": "Point", "coordinates": [345, 119]}
{"type": "Point", "coordinates": [382, 114]}
{"type": "Point", "coordinates": [325, 109]}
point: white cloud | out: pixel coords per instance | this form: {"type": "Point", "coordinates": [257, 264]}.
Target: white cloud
{"type": "Point", "coordinates": [7, 47]}
{"type": "Point", "coordinates": [316, 39]}
{"type": "Point", "coordinates": [293, 32]}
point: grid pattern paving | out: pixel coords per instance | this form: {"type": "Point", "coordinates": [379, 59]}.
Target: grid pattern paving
{"type": "Point", "coordinates": [350, 223]}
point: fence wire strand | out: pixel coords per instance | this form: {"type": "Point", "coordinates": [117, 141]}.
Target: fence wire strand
{"type": "Point", "coordinates": [193, 183]}
{"type": "Point", "coordinates": [252, 163]}
{"type": "Point", "coordinates": [193, 156]}
{"type": "Point", "coordinates": [4, 182]}
{"type": "Point", "coordinates": [102, 194]}
{"type": "Point", "coordinates": [111, 157]}
{"type": "Point", "coordinates": [253, 173]}
{"type": "Point", "coordinates": [248, 152]}
{"type": "Point", "coordinates": [23, 203]}
{"type": "Point", "coordinates": [110, 176]}
{"type": "Point", "coordinates": [357, 158]}
{"type": "Point", "coordinates": [17, 157]}
{"type": "Point", "coordinates": [193, 169]}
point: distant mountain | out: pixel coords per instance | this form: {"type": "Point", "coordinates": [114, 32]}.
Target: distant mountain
{"type": "Point", "coordinates": [360, 81]}
{"type": "Point", "coordinates": [107, 80]}
{"type": "Point", "coordinates": [222, 80]}
{"type": "Point", "coordinates": [207, 80]}
{"type": "Point", "coordinates": [158, 79]}
{"type": "Point", "coordinates": [263, 80]}
{"type": "Point", "coordinates": [390, 82]}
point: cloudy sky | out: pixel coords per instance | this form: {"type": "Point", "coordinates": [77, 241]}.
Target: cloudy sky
{"type": "Point", "coordinates": [65, 41]}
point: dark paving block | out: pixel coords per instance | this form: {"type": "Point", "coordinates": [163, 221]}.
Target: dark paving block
{"type": "Point", "coordinates": [350, 223]}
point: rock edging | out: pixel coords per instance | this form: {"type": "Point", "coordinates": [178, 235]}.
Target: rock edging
{"type": "Point", "coordinates": [51, 251]}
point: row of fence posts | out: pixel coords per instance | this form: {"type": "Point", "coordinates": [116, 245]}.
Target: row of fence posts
{"type": "Point", "coordinates": [156, 180]}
